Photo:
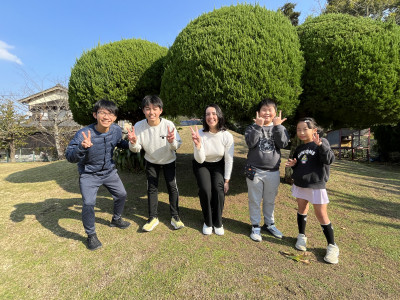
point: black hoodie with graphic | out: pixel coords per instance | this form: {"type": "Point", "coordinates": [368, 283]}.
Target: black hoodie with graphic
{"type": "Point", "coordinates": [313, 163]}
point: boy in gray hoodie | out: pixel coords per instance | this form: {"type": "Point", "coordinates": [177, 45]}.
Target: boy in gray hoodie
{"type": "Point", "coordinates": [264, 138]}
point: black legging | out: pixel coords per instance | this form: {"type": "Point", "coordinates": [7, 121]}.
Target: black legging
{"type": "Point", "coordinates": [210, 179]}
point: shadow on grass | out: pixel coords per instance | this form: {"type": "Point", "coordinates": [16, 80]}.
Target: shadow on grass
{"type": "Point", "coordinates": [66, 176]}
{"type": "Point", "coordinates": [383, 224]}
{"type": "Point", "coordinates": [367, 204]}
{"type": "Point", "coordinates": [49, 213]}
{"type": "Point", "coordinates": [63, 172]}
{"type": "Point", "coordinates": [376, 173]}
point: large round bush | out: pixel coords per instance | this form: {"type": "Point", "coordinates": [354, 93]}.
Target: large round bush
{"type": "Point", "coordinates": [352, 73]}
{"type": "Point", "coordinates": [123, 71]}
{"type": "Point", "coordinates": [233, 56]}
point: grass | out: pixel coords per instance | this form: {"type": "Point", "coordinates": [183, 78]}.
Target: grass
{"type": "Point", "coordinates": [43, 245]}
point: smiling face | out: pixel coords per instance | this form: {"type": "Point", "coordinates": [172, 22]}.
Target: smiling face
{"type": "Point", "coordinates": [104, 118]}
{"type": "Point", "coordinates": [304, 133]}
{"type": "Point", "coordinates": [212, 119]}
{"type": "Point", "coordinates": [152, 114]}
{"type": "Point", "coordinates": [267, 112]}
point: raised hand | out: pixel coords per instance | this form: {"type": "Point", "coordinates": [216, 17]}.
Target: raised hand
{"type": "Point", "coordinates": [87, 140]}
{"type": "Point", "coordinates": [196, 137]}
{"type": "Point", "coordinates": [132, 136]}
{"type": "Point", "coordinates": [316, 139]}
{"type": "Point", "coordinates": [170, 135]}
{"type": "Point", "coordinates": [278, 119]}
{"type": "Point", "coordinates": [291, 162]}
{"type": "Point", "coordinates": [258, 120]}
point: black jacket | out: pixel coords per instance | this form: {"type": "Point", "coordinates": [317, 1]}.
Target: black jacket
{"type": "Point", "coordinates": [312, 167]}
{"type": "Point", "coordinates": [96, 159]}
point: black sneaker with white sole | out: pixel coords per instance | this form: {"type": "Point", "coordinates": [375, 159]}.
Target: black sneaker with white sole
{"type": "Point", "coordinates": [119, 223]}
{"type": "Point", "coordinates": [93, 242]}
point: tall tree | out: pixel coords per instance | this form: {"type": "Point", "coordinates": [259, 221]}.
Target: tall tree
{"type": "Point", "coordinates": [352, 71]}
{"type": "Point", "coordinates": [288, 11]}
{"type": "Point", "coordinates": [12, 129]}
{"type": "Point", "coordinates": [375, 9]}
{"type": "Point", "coordinates": [124, 72]}
{"type": "Point", "coordinates": [233, 56]}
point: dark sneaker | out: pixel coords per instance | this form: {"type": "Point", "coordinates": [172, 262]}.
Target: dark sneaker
{"type": "Point", "coordinates": [272, 230]}
{"type": "Point", "coordinates": [93, 242]}
{"type": "Point", "coordinates": [119, 223]}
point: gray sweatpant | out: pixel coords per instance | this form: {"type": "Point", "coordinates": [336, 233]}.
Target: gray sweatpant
{"type": "Point", "coordinates": [264, 187]}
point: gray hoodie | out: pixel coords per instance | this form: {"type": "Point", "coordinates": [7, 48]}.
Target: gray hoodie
{"type": "Point", "coordinates": [265, 144]}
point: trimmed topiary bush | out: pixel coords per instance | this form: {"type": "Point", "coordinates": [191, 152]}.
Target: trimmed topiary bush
{"type": "Point", "coordinates": [352, 73]}
{"type": "Point", "coordinates": [233, 56]}
{"type": "Point", "coordinates": [123, 71]}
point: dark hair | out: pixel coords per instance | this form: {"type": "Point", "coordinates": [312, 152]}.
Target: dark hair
{"type": "Point", "coordinates": [267, 102]}
{"type": "Point", "coordinates": [106, 104]}
{"type": "Point", "coordinates": [311, 124]}
{"type": "Point", "coordinates": [152, 99]}
{"type": "Point", "coordinates": [220, 115]}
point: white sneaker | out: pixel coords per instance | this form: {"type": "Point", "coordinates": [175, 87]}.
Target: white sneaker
{"type": "Point", "coordinates": [301, 242]}
{"type": "Point", "coordinates": [332, 254]}
{"type": "Point", "coordinates": [256, 234]}
{"type": "Point", "coordinates": [207, 230]}
{"type": "Point", "coordinates": [220, 230]}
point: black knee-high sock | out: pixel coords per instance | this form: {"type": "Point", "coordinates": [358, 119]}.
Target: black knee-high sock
{"type": "Point", "coordinates": [328, 231]}
{"type": "Point", "coordinates": [301, 223]}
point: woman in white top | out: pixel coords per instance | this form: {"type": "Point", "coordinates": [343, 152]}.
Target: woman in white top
{"type": "Point", "coordinates": [212, 166]}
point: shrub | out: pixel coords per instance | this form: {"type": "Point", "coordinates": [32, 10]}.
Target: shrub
{"type": "Point", "coordinates": [233, 56]}
{"type": "Point", "coordinates": [388, 140]}
{"type": "Point", "coordinates": [123, 71]}
{"type": "Point", "coordinates": [352, 70]}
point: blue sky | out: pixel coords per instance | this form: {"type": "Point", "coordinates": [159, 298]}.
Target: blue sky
{"type": "Point", "coordinates": [41, 40]}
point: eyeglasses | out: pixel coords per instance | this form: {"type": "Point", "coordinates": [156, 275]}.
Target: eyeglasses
{"type": "Point", "coordinates": [102, 113]}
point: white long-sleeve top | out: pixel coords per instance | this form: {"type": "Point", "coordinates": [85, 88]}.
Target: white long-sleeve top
{"type": "Point", "coordinates": [153, 140]}
{"type": "Point", "coordinates": [214, 147]}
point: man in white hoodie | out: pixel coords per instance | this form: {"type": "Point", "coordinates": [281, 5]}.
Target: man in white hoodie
{"type": "Point", "coordinates": [159, 139]}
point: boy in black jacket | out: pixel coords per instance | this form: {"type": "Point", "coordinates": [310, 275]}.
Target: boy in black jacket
{"type": "Point", "coordinates": [92, 148]}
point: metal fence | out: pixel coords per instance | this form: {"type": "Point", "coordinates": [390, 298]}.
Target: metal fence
{"type": "Point", "coordinates": [29, 155]}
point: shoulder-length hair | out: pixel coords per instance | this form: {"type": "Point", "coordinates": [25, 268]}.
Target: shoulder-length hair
{"type": "Point", "coordinates": [220, 115]}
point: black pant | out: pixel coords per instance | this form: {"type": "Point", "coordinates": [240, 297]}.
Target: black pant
{"type": "Point", "coordinates": [210, 179]}
{"type": "Point", "coordinates": [153, 173]}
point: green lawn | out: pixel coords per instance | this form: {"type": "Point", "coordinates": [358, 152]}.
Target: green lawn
{"type": "Point", "coordinates": [43, 245]}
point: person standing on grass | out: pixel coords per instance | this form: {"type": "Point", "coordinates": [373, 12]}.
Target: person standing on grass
{"type": "Point", "coordinates": [212, 166]}
{"type": "Point", "coordinates": [159, 139]}
{"type": "Point", "coordinates": [310, 164]}
{"type": "Point", "coordinates": [265, 139]}
{"type": "Point", "coordinates": [92, 148]}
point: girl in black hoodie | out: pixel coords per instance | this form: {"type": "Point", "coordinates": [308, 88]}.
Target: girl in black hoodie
{"type": "Point", "coordinates": [310, 164]}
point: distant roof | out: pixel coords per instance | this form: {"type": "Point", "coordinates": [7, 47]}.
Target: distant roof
{"type": "Point", "coordinates": [43, 94]}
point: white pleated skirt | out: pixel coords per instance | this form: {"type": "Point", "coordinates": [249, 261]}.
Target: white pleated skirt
{"type": "Point", "coordinates": [314, 196]}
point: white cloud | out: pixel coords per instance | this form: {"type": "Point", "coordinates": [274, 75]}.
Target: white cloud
{"type": "Point", "coordinates": [6, 55]}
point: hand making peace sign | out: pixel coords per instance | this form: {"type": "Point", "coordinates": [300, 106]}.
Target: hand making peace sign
{"type": "Point", "coordinates": [132, 136]}
{"type": "Point", "coordinates": [196, 137]}
{"type": "Point", "coordinates": [87, 141]}
{"type": "Point", "coordinates": [170, 135]}
{"type": "Point", "coordinates": [278, 119]}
